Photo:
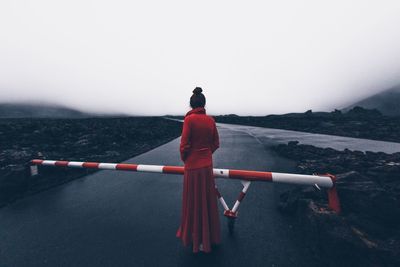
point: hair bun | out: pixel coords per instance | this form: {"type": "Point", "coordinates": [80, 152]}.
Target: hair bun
{"type": "Point", "coordinates": [197, 90]}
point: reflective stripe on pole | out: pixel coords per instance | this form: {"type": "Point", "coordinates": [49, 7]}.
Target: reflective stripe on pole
{"type": "Point", "coordinates": [298, 179]}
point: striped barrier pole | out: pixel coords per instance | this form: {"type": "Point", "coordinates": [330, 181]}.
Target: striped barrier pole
{"type": "Point", "coordinates": [322, 180]}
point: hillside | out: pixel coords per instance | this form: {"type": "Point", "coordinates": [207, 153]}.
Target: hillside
{"type": "Point", "coordinates": [387, 102]}
{"type": "Point", "coordinates": [22, 110]}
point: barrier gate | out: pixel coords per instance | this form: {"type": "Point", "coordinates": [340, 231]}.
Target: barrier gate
{"type": "Point", "coordinates": [327, 181]}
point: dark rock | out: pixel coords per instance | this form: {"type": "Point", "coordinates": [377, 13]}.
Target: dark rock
{"type": "Point", "coordinates": [293, 143]}
{"type": "Point", "coordinates": [363, 196]}
{"type": "Point", "coordinates": [360, 111]}
{"type": "Point", "coordinates": [336, 112]}
{"type": "Point", "coordinates": [338, 243]}
{"type": "Point", "coordinates": [366, 233]}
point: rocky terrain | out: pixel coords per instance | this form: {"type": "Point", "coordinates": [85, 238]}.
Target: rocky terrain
{"type": "Point", "coordinates": [367, 231]}
{"type": "Point", "coordinates": [91, 139]}
{"type": "Point", "coordinates": [357, 122]}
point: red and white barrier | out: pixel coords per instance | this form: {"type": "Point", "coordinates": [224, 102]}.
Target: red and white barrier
{"type": "Point", "coordinates": [325, 181]}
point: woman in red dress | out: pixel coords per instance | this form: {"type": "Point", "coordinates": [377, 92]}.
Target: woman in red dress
{"type": "Point", "coordinates": [200, 220]}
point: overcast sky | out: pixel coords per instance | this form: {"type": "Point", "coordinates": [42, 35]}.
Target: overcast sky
{"type": "Point", "coordinates": [250, 57]}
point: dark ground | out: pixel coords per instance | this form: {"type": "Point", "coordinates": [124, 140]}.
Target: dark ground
{"type": "Point", "coordinates": [91, 139]}
{"type": "Point", "coordinates": [357, 122]}
{"type": "Point", "coordinates": [102, 219]}
{"type": "Point", "coordinates": [367, 232]}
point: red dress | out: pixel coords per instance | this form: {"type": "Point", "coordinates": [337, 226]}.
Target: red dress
{"type": "Point", "coordinates": [200, 220]}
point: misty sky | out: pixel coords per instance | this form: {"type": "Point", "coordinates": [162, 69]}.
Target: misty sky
{"type": "Point", "coordinates": [250, 57]}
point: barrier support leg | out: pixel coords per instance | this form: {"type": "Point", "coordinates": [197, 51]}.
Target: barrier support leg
{"type": "Point", "coordinates": [34, 170]}
{"type": "Point", "coordinates": [333, 200]}
{"type": "Point", "coordinates": [232, 214]}
{"type": "Point", "coordinates": [221, 199]}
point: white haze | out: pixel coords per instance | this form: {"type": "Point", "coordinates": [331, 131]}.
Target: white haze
{"type": "Point", "coordinates": [250, 57]}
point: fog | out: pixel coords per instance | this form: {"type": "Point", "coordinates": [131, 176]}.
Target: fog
{"type": "Point", "coordinates": [250, 57]}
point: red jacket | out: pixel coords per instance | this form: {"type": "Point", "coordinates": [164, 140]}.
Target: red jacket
{"type": "Point", "coordinates": [199, 139]}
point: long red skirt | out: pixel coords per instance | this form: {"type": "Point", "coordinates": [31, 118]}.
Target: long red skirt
{"type": "Point", "coordinates": [200, 221]}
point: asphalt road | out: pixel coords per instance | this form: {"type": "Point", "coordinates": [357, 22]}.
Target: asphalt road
{"type": "Point", "coordinates": [115, 218]}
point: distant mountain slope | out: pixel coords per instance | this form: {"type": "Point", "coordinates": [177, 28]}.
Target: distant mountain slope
{"type": "Point", "coordinates": [18, 110]}
{"type": "Point", "coordinates": [387, 102]}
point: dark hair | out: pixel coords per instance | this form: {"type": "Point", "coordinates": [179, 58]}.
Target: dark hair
{"type": "Point", "coordinates": [197, 100]}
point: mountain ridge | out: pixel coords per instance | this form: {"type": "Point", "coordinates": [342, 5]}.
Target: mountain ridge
{"type": "Point", "coordinates": [387, 102]}
{"type": "Point", "coordinates": [46, 110]}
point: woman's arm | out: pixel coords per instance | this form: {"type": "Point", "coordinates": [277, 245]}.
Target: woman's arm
{"type": "Point", "coordinates": [215, 144]}
{"type": "Point", "coordinates": [185, 140]}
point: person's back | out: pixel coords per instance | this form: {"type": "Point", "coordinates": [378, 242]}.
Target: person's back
{"type": "Point", "coordinates": [200, 221]}
{"type": "Point", "coordinates": [202, 130]}
{"type": "Point", "coordinates": [199, 139]}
